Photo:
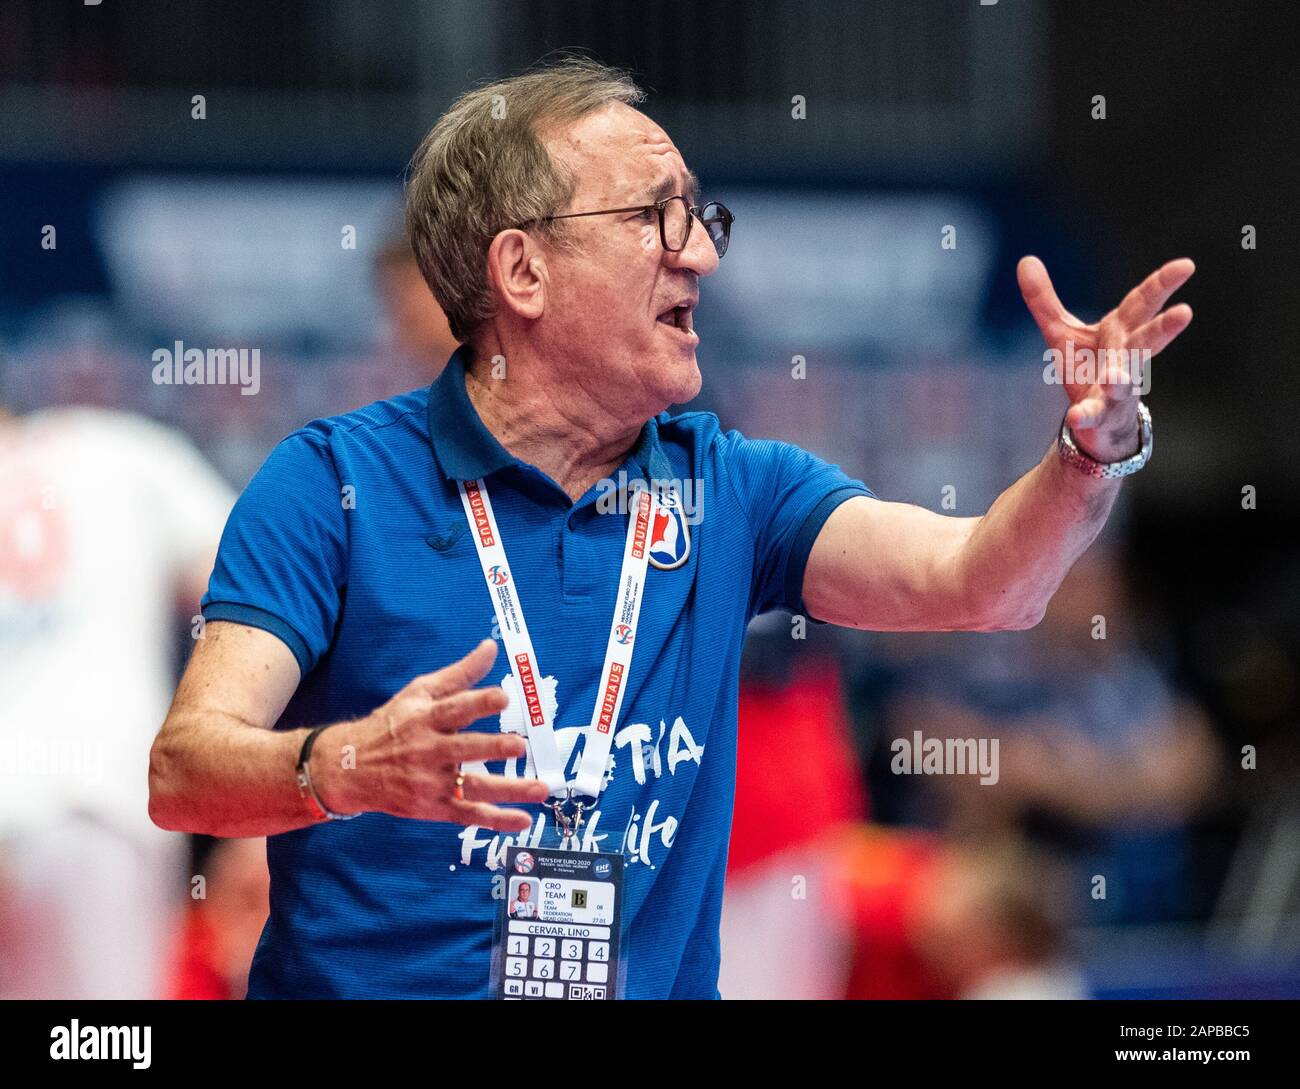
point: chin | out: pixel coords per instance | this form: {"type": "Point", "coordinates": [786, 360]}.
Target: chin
{"type": "Point", "coordinates": [683, 380]}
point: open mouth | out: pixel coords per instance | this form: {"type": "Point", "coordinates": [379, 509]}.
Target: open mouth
{"type": "Point", "coordinates": [679, 317]}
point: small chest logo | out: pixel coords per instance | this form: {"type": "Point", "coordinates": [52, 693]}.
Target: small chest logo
{"type": "Point", "coordinates": [670, 536]}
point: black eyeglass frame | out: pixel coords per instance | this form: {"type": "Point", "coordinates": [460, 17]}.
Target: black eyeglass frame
{"type": "Point", "coordinates": [693, 212]}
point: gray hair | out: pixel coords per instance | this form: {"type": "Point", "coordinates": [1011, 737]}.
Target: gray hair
{"type": "Point", "coordinates": [483, 167]}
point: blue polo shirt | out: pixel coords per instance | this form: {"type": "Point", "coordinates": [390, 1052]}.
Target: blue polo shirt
{"type": "Point", "coordinates": [351, 546]}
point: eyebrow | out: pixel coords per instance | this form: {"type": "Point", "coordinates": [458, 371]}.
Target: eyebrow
{"type": "Point", "coordinates": [668, 187]}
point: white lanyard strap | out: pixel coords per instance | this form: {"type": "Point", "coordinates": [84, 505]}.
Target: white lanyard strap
{"type": "Point", "coordinates": [590, 777]}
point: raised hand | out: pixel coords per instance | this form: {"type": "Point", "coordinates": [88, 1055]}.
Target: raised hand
{"type": "Point", "coordinates": [1103, 405]}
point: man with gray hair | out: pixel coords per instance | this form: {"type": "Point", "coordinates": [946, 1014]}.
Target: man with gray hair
{"type": "Point", "coordinates": [371, 565]}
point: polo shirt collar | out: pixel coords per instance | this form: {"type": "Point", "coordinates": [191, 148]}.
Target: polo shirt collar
{"type": "Point", "coordinates": [467, 450]}
{"type": "Point", "coordinates": [463, 445]}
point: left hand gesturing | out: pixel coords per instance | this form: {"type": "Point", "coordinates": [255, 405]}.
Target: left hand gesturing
{"type": "Point", "coordinates": [1103, 411]}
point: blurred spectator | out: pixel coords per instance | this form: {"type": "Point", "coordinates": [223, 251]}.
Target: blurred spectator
{"type": "Point", "coordinates": [418, 326]}
{"type": "Point", "coordinates": [1101, 759]}
{"type": "Point", "coordinates": [934, 919]}
{"type": "Point", "coordinates": [221, 928]}
{"type": "Point", "coordinates": [108, 525]}
{"type": "Point", "coordinates": [797, 784]}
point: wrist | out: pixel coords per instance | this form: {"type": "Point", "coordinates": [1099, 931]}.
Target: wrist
{"type": "Point", "coordinates": [1109, 458]}
{"type": "Point", "coordinates": [1114, 444]}
{"type": "Point", "coordinates": [332, 769]}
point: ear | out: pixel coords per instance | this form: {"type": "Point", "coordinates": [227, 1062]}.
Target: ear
{"type": "Point", "coordinates": [517, 273]}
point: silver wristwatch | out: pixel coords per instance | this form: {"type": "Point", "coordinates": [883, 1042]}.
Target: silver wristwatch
{"type": "Point", "coordinates": [1107, 470]}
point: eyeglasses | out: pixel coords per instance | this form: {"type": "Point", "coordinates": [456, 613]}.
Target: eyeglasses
{"type": "Point", "coordinates": [676, 217]}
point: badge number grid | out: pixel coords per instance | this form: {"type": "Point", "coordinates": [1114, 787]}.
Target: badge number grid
{"type": "Point", "coordinates": [558, 958]}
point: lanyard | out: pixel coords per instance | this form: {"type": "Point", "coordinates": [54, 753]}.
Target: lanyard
{"type": "Point", "coordinates": [590, 775]}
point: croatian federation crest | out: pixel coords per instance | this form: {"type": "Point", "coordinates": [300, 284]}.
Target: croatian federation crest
{"type": "Point", "coordinates": [670, 536]}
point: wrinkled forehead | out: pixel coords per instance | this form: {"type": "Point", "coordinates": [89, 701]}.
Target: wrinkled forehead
{"type": "Point", "coordinates": [619, 155]}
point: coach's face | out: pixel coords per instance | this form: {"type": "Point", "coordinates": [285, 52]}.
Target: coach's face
{"type": "Point", "coordinates": [619, 308]}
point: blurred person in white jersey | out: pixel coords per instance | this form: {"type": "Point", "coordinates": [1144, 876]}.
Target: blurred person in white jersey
{"type": "Point", "coordinates": [108, 527]}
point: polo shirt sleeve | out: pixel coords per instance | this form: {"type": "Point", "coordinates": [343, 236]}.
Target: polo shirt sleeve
{"type": "Point", "coordinates": [282, 562]}
{"type": "Point", "coordinates": [786, 494]}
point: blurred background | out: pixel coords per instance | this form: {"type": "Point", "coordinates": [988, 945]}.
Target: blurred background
{"type": "Point", "coordinates": [228, 174]}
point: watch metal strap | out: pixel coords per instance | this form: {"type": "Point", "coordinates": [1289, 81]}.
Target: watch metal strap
{"type": "Point", "coordinates": [1108, 470]}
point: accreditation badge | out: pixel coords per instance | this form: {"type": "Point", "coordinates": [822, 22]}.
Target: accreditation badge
{"type": "Point", "coordinates": [559, 926]}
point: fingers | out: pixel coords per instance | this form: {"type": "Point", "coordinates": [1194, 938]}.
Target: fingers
{"type": "Point", "coordinates": [459, 675]}
{"type": "Point", "coordinates": [1156, 334]}
{"type": "Point", "coordinates": [488, 816]}
{"type": "Point", "coordinates": [464, 748]}
{"type": "Point", "coordinates": [498, 788]}
{"type": "Point", "coordinates": [455, 712]}
{"type": "Point", "coordinates": [1144, 302]}
{"type": "Point", "coordinates": [1053, 319]}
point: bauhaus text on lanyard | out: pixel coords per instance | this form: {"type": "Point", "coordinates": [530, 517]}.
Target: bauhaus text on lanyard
{"type": "Point", "coordinates": [567, 798]}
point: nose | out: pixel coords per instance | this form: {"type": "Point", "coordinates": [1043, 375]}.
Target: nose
{"type": "Point", "coordinates": [699, 256]}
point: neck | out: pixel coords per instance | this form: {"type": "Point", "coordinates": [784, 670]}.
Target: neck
{"type": "Point", "coordinates": [562, 428]}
